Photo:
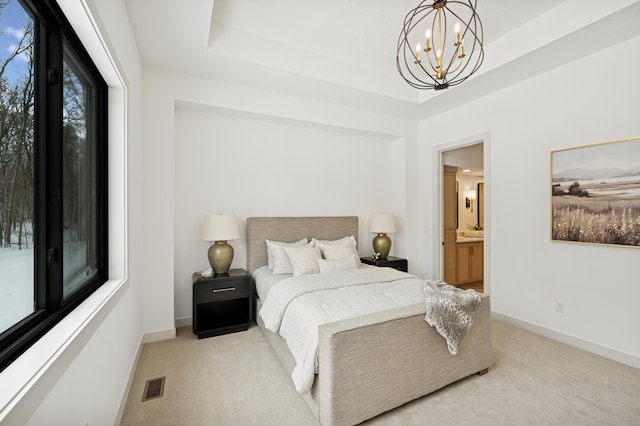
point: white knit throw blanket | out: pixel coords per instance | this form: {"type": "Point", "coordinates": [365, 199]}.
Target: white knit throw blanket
{"type": "Point", "coordinates": [450, 310]}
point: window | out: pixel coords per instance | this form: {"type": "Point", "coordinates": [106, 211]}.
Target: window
{"type": "Point", "coordinates": [53, 165]}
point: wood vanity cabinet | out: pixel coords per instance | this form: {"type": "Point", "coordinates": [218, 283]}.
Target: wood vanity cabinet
{"type": "Point", "coordinates": [470, 259]}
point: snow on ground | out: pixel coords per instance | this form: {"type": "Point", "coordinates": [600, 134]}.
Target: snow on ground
{"type": "Point", "coordinates": [16, 285]}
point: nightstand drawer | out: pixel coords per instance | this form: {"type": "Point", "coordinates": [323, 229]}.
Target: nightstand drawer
{"type": "Point", "coordinates": [227, 289]}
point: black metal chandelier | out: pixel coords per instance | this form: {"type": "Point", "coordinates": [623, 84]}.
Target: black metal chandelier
{"type": "Point", "coordinates": [448, 57]}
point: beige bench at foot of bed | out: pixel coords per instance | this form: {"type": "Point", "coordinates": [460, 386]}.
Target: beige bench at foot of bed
{"type": "Point", "coordinates": [372, 364]}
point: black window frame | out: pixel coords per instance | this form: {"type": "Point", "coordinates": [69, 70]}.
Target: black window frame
{"type": "Point", "coordinates": [50, 29]}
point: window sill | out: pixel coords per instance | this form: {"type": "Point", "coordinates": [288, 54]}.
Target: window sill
{"type": "Point", "coordinates": [25, 382]}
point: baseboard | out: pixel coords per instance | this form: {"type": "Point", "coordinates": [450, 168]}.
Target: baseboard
{"type": "Point", "coordinates": [184, 322]}
{"type": "Point", "coordinates": [132, 373]}
{"type": "Point", "coordinates": [576, 342]}
{"type": "Point", "coordinates": [156, 336]}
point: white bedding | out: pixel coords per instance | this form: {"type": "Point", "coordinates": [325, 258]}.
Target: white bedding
{"type": "Point", "coordinates": [296, 306]}
{"type": "Point", "coordinates": [265, 279]}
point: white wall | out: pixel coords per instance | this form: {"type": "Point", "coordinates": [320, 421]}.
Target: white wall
{"type": "Point", "coordinates": [195, 126]}
{"type": "Point", "coordinates": [79, 372]}
{"type": "Point", "coordinates": [251, 167]}
{"type": "Point", "coordinates": [467, 217]}
{"type": "Point", "coordinates": [581, 103]}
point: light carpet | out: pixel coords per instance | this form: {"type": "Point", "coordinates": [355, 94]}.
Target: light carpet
{"type": "Point", "coordinates": [236, 379]}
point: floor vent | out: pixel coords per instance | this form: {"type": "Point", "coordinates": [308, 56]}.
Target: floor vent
{"type": "Point", "coordinates": [153, 389]}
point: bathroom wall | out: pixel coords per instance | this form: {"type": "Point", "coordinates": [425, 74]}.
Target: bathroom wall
{"type": "Point", "coordinates": [467, 217]}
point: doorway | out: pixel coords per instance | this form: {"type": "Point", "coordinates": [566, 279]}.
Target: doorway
{"type": "Point", "coordinates": [463, 224]}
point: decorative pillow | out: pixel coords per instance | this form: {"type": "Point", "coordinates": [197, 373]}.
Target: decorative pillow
{"type": "Point", "coordinates": [281, 263]}
{"type": "Point", "coordinates": [273, 246]}
{"type": "Point", "coordinates": [326, 245]}
{"type": "Point", "coordinates": [334, 251]}
{"type": "Point", "coordinates": [338, 264]}
{"type": "Point", "coordinates": [339, 241]}
{"type": "Point", "coordinates": [304, 260]}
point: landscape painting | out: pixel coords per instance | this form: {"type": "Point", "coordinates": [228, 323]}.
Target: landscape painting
{"type": "Point", "coordinates": [596, 193]}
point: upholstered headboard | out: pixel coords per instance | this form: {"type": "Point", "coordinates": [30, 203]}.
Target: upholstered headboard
{"type": "Point", "coordinates": [289, 229]}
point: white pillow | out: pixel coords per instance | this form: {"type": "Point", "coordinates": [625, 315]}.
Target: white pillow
{"type": "Point", "coordinates": [335, 251]}
{"type": "Point", "coordinates": [304, 260]}
{"type": "Point", "coordinates": [339, 241]}
{"type": "Point", "coordinates": [281, 263]}
{"type": "Point", "coordinates": [279, 246]}
{"type": "Point", "coordinates": [338, 264]}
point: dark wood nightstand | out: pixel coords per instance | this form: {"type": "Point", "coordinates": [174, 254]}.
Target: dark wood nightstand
{"type": "Point", "coordinates": [391, 262]}
{"type": "Point", "coordinates": [221, 303]}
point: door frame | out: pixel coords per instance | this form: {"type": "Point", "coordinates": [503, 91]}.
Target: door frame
{"type": "Point", "coordinates": [438, 169]}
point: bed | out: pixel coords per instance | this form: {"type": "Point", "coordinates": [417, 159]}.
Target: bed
{"type": "Point", "coordinates": [373, 363]}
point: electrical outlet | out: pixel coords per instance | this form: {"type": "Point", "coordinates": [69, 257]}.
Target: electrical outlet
{"type": "Point", "coordinates": [560, 308]}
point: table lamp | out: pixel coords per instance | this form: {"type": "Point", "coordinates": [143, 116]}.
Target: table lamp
{"type": "Point", "coordinates": [382, 223]}
{"type": "Point", "coordinates": [220, 228]}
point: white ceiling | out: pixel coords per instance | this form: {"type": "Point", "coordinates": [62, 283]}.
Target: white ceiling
{"type": "Point", "coordinates": [468, 157]}
{"type": "Point", "coordinates": [344, 52]}
{"type": "Point", "coordinates": [362, 33]}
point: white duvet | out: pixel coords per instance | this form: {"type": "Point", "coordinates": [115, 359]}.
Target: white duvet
{"type": "Point", "coordinates": [297, 306]}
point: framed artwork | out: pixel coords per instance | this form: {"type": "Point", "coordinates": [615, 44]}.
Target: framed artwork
{"type": "Point", "coordinates": [595, 193]}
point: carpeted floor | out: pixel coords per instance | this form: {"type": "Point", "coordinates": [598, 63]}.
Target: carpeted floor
{"type": "Point", "coordinates": [237, 380]}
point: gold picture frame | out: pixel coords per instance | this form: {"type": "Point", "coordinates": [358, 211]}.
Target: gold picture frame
{"type": "Point", "coordinates": [595, 193]}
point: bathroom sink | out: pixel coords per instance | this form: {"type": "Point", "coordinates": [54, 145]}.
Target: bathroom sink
{"type": "Point", "coordinates": [474, 234]}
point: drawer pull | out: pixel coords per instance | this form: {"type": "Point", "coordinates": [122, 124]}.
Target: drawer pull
{"type": "Point", "coordinates": [218, 290]}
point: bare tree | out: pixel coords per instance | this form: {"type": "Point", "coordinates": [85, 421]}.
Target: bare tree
{"type": "Point", "coordinates": [16, 142]}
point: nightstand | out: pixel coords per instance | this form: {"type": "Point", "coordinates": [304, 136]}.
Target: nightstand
{"type": "Point", "coordinates": [221, 303]}
{"type": "Point", "coordinates": [391, 262]}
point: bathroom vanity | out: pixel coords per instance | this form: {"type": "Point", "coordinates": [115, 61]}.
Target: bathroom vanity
{"type": "Point", "coordinates": [470, 260]}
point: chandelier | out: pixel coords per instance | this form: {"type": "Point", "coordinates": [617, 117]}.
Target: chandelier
{"type": "Point", "coordinates": [430, 54]}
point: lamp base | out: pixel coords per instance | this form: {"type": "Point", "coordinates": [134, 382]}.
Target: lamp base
{"type": "Point", "coordinates": [382, 245]}
{"type": "Point", "coordinates": [220, 257]}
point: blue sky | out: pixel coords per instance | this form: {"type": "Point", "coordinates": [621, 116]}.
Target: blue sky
{"type": "Point", "coordinates": [13, 21]}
